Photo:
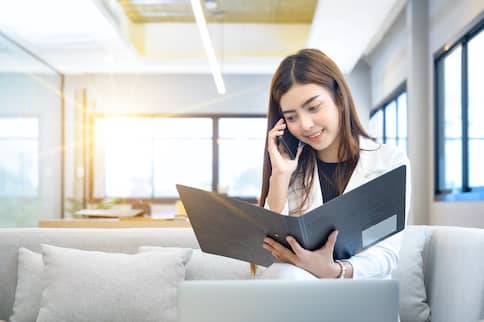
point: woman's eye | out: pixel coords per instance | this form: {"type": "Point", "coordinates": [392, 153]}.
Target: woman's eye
{"type": "Point", "coordinates": [314, 108]}
{"type": "Point", "coordinates": [290, 118]}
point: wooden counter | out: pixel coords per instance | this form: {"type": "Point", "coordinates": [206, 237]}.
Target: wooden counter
{"type": "Point", "coordinates": [135, 222]}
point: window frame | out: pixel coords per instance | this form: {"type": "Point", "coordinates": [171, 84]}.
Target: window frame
{"type": "Point", "coordinates": [215, 151]}
{"type": "Point", "coordinates": [465, 192]}
{"type": "Point", "coordinates": [392, 97]}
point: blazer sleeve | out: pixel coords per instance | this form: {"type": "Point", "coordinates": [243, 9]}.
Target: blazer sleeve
{"type": "Point", "coordinates": [380, 260]}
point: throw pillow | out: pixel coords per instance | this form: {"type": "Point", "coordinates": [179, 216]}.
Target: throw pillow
{"type": "Point", "coordinates": [204, 266]}
{"type": "Point", "coordinates": [413, 296]}
{"type": "Point", "coordinates": [29, 286]}
{"type": "Point", "coordinates": [97, 286]}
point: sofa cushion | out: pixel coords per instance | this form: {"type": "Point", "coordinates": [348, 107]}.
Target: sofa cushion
{"type": "Point", "coordinates": [410, 274]}
{"type": "Point", "coordinates": [97, 286]}
{"type": "Point", "coordinates": [454, 274]}
{"type": "Point", "coordinates": [29, 286]}
{"type": "Point", "coordinates": [204, 266]}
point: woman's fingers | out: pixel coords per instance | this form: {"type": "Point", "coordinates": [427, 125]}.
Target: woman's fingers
{"type": "Point", "coordinates": [296, 248]}
{"type": "Point", "coordinates": [279, 251]}
{"type": "Point", "coordinates": [279, 126]}
{"type": "Point", "coordinates": [331, 242]}
{"type": "Point", "coordinates": [276, 131]}
{"type": "Point", "coordinates": [276, 152]}
{"type": "Point", "coordinates": [299, 150]}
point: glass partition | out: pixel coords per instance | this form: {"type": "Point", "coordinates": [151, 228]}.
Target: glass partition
{"type": "Point", "coordinates": [30, 137]}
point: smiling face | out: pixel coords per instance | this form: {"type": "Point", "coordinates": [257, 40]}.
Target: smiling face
{"type": "Point", "coordinates": [312, 116]}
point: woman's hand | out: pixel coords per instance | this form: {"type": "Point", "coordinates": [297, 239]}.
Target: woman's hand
{"type": "Point", "coordinates": [280, 160]}
{"type": "Point", "coordinates": [319, 262]}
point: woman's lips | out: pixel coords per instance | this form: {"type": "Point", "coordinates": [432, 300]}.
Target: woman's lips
{"type": "Point", "coordinates": [315, 137]}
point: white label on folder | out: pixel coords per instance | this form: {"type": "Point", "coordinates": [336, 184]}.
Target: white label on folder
{"type": "Point", "coordinates": [380, 230]}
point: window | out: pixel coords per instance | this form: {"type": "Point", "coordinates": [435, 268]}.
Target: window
{"type": "Point", "coordinates": [19, 164]}
{"type": "Point", "coordinates": [388, 123]}
{"type": "Point", "coordinates": [475, 83]}
{"type": "Point", "coordinates": [376, 125]}
{"type": "Point", "coordinates": [145, 157]}
{"type": "Point", "coordinates": [241, 146]}
{"type": "Point", "coordinates": [459, 118]}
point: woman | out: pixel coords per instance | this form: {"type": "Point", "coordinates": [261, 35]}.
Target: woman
{"type": "Point", "coordinates": [310, 98]}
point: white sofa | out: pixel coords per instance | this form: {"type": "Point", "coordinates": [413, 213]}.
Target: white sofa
{"type": "Point", "coordinates": [451, 278]}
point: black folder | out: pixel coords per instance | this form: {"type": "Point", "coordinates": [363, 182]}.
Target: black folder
{"type": "Point", "coordinates": [363, 216]}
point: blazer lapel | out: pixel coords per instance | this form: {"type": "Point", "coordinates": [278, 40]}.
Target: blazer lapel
{"type": "Point", "coordinates": [363, 168]}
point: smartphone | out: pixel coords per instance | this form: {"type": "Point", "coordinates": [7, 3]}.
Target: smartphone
{"type": "Point", "coordinates": [290, 143]}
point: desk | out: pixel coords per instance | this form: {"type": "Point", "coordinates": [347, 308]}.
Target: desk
{"type": "Point", "coordinates": [135, 222]}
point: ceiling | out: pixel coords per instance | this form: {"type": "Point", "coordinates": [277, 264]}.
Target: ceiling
{"type": "Point", "coordinates": [160, 36]}
{"type": "Point", "coordinates": [228, 11]}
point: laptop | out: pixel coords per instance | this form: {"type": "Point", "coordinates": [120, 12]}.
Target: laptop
{"type": "Point", "coordinates": [291, 301]}
{"type": "Point", "coordinates": [233, 228]}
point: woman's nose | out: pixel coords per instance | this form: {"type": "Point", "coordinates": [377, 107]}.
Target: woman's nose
{"type": "Point", "coordinates": [306, 122]}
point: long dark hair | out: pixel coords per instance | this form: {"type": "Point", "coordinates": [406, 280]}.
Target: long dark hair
{"type": "Point", "coordinates": [311, 66]}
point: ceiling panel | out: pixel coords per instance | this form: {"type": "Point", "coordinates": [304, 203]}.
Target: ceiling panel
{"type": "Point", "coordinates": [228, 11]}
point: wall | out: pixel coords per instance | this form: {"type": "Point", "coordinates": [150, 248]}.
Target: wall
{"type": "Point", "coordinates": [152, 94]}
{"type": "Point", "coordinates": [359, 81]}
{"type": "Point", "coordinates": [173, 93]}
{"type": "Point", "coordinates": [388, 61]}
{"type": "Point", "coordinates": [447, 21]}
{"type": "Point", "coordinates": [390, 64]}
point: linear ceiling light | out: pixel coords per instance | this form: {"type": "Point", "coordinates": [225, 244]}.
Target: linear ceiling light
{"type": "Point", "coordinates": [207, 43]}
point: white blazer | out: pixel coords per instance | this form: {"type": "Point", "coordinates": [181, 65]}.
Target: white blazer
{"type": "Point", "coordinates": [381, 259]}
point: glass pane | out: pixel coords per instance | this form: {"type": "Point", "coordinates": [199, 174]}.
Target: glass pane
{"type": "Point", "coordinates": [453, 164]}
{"type": "Point", "coordinates": [475, 86]}
{"type": "Point", "coordinates": [181, 161]}
{"type": "Point", "coordinates": [177, 141]}
{"type": "Point", "coordinates": [182, 127]}
{"type": "Point", "coordinates": [241, 177]}
{"type": "Point", "coordinates": [376, 126]}
{"type": "Point", "coordinates": [13, 127]}
{"type": "Point", "coordinates": [238, 176]}
{"type": "Point", "coordinates": [452, 94]}
{"type": "Point", "coordinates": [242, 127]}
{"type": "Point", "coordinates": [402, 115]}
{"type": "Point", "coordinates": [128, 169]}
{"type": "Point", "coordinates": [30, 163]}
{"type": "Point", "coordinates": [123, 157]}
{"type": "Point", "coordinates": [476, 160]}
{"type": "Point", "coordinates": [146, 157]}
{"type": "Point", "coordinates": [476, 110]}
{"type": "Point", "coordinates": [450, 161]}
{"type": "Point", "coordinates": [114, 129]}
{"type": "Point", "coordinates": [391, 121]}
{"type": "Point", "coordinates": [391, 141]}
{"type": "Point", "coordinates": [19, 168]}
{"type": "Point", "coordinates": [241, 136]}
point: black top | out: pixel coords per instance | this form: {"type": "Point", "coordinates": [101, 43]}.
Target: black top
{"type": "Point", "coordinates": [329, 188]}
